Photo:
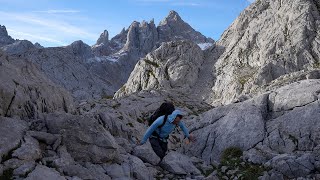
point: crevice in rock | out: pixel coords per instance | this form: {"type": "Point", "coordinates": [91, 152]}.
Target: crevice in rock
{"type": "Point", "coordinates": [205, 144]}
{"type": "Point", "coordinates": [203, 125]}
{"type": "Point", "coordinates": [292, 172]}
{"type": "Point", "coordinates": [8, 156]}
{"type": "Point", "coordinates": [65, 107]}
{"type": "Point", "coordinates": [10, 104]}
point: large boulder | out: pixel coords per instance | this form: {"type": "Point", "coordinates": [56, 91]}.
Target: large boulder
{"type": "Point", "coordinates": [85, 138]}
{"type": "Point", "coordinates": [146, 154]}
{"type": "Point", "coordinates": [11, 134]}
{"type": "Point", "coordinates": [294, 95]}
{"type": "Point", "coordinates": [43, 172]}
{"type": "Point", "coordinates": [239, 125]}
{"type": "Point", "coordinates": [29, 150]}
{"type": "Point", "coordinates": [180, 164]}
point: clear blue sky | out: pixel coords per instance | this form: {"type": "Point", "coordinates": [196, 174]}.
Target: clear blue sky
{"type": "Point", "coordinates": [60, 22]}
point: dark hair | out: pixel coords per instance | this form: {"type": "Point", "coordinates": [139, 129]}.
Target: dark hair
{"type": "Point", "coordinates": [180, 116]}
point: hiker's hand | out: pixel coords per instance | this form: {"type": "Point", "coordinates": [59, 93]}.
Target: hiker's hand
{"type": "Point", "coordinates": [139, 143]}
{"type": "Point", "coordinates": [191, 138]}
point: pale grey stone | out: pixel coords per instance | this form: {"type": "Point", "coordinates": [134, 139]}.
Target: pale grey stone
{"type": "Point", "coordinates": [118, 171]}
{"type": "Point", "coordinates": [43, 136]}
{"type": "Point", "coordinates": [43, 172]}
{"type": "Point", "coordinates": [84, 138]}
{"type": "Point", "coordinates": [27, 92]}
{"type": "Point", "coordinates": [292, 166]}
{"type": "Point", "coordinates": [146, 154]}
{"type": "Point", "coordinates": [177, 163]}
{"type": "Point", "coordinates": [29, 150]}
{"type": "Point", "coordinates": [294, 95]}
{"type": "Point", "coordinates": [174, 65]}
{"type": "Point", "coordinates": [267, 40]}
{"type": "Point", "coordinates": [79, 171]}
{"type": "Point", "coordinates": [237, 125]}
{"type": "Point", "coordinates": [138, 168]}
{"type": "Point", "coordinates": [296, 130]}
{"type": "Point", "coordinates": [11, 133]}
{"type": "Point", "coordinates": [64, 159]}
{"type": "Point", "coordinates": [24, 169]}
{"type": "Point", "coordinates": [98, 171]}
{"type": "Point", "coordinates": [13, 163]}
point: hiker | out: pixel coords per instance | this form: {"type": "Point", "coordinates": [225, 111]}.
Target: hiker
{"type": "Point", "coordinates": [158, 136]}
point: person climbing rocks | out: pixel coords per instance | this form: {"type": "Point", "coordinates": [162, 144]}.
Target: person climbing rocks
{"type": "Point", "coordinates": [159, 131]}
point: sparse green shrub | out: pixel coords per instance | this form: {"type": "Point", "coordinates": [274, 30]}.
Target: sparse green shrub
{"type": "Point", "coordinates": [130, 124]}
{"type": "Point", "coordinates": [7, 174]}
{"type": "Point", "coordinates": [107, 97]}
{"type": "Point", "coordinates": [316, 65]}
{"type": "Point", "coordinates": [140, 120]}
{"type": "Point", "coordinates": [233, 166]}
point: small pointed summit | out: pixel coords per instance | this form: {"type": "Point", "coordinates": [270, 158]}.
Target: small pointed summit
{"type": "Point", "coordinates": [5, 39]}
{"type": "Point", "coordinates": [104, 38]}
{"type": "Point", "coordinates": [173, 14]}
{"type": "Point", "coordinates": [172, 17]}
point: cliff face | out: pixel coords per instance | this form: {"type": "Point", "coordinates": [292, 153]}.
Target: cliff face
{"type": "Point", "coordinates": [269, 39]}
{"type": "Point", "coordinates": [174, 65]}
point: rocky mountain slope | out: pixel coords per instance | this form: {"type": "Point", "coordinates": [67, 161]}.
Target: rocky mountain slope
{"type": "Point", "coordinates": [27, 93]}
{"type": "Point", "coordinates": [268, 40]}
{"type": "Point", "coordinates": [267, 78]}
{"type": "Point", "coordinates": [100, 70]}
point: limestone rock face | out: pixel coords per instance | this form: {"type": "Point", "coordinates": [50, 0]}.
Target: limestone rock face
{"type": "Point", "coordinates": [104, 38]}
{"type": "Point", "coordinates": [142, 37]}
{"type": "Point", "coordinates": [269, 39]}
{"type": "Point", "coordinates": [235, 125]}
{"type": "Point", "coordinates": [174, 65]}
{"type": "Point", "coordinates": [26, 92]}
{"type": "Point", "coordinates": [85, 138]}
{"type": "Point", "coordinates": [101, 48]}
{"type": "Point", "coordinates": [43, 172]}
{"type": "Point", "coordinates": [118, 42]}
{"type": "Point", "coordinates": [63, 67]}
{"type": "Point", "coordinates": [11, 134]}
{"type": "Point", "coordinates": [5, 39]}
{"type": "Point", "coordinates": [177, 163]}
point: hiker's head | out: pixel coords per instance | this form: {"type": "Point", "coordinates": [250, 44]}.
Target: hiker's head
{"type": "Point", "coordinates": [175, 117]}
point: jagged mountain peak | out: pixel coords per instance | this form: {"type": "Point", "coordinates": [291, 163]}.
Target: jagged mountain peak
{"type": "Point", "coordinates": [173, 17]}
{"type": "Point", "coordinates": [5, 39]}
{"type": "Point", "coordinates": [104, 38]}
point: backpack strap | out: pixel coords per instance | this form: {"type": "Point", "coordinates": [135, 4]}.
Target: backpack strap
{"type": "Point", "coordinates": [163, 123]}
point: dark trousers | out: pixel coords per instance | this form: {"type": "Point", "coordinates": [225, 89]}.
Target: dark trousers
{"type": "Point", "coordinates": [159, 147]}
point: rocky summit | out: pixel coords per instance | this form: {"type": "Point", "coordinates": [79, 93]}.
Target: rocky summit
{"type": "Point", "coordinates": [251, 99]}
